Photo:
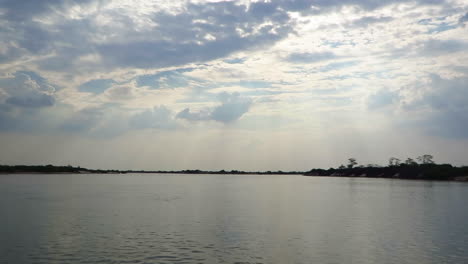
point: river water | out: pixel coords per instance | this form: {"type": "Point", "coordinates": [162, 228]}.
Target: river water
{"type": "Point", "coordinates": [173, 218]}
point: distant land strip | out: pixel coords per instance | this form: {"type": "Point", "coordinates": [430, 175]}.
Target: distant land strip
{"type": "Point", "coordinates": [424, 171]}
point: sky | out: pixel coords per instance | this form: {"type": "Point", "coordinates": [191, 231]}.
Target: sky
{"type": "Point", "coordinates": [249, 85]}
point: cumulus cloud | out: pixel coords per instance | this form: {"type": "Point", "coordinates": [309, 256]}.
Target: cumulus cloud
{"type": "Point", "coordinates": [232, 107]}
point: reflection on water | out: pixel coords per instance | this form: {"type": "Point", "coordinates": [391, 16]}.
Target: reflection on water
{"type": "Point", "coordinates": [230, 219]}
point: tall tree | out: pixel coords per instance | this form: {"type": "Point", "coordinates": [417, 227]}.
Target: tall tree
{"type": "Point", "coordinates": [352, 162]}
{"type": "Point", "coordinates": [394, 161]}
{"type": "Point", "coordinates": [426, 159]}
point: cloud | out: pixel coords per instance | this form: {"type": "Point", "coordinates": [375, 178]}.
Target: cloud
{"type": "Point", "coordinates": [338, 65]}
{"type": "Point", "coordinates": [121, 92]}
{"type": "Point", "coordinates": [232, 107]}
{"type": "Point", "coordinates": [203, 32]}
{"type": "Point", "coordinates": [322, 6]}
{"type": "Point", "coordinates": [27, 90]}
{"type": "Point", "coordinates": [449, 109]}
{"type": "Point", "coordinates": [83, 120]}
{"type": "Point", "coordinates": [194, 116]}
{"type": "Point", "coordinates": [463, 19]}
{"type": "Point", "coordinates": [439, 107]}
{"type": "Point", "coordinates": [156, 38]}
{"type": "Point", "coordinates": [160, 117]}
{"type": "Point", "coordinates": [436, 47]}
{"type": "Point", "coordinates": [17, 10]}
{"type": "Point", "coordinates": [96, 86]}
{"type": "Point", "coordinates": [307, 57]}
{"type": "Point", "coordinates": [382, 98]}
{"type": "Point", "coordinates": [165, 79]}
{"type": "Point", "coordinates": [368, 20]}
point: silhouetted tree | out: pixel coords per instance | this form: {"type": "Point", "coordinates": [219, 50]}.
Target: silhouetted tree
{"type": "Point", "coordinates": [410, 161]}
{"type": "Point", "coordinates": [426, 159]}
{"type": "Point", "coordinates": [393, 161]}
{"type": "Point", "coordinates": [352, 162]}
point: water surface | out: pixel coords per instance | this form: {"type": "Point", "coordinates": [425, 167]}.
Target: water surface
{"type": "Point", "coordinates": [154, 218]}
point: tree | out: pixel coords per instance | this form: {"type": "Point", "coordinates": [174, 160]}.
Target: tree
{"type": "Point", "coordinates": [352, 163]}
{"type": "Point", "coordinates": [410, 161]}
{"type": "Point", "coordinates": [426, 159]}
{"type": "Point", "coordinates": [393, 161]}
{"type": "Point", "coordinates": [342, 167]}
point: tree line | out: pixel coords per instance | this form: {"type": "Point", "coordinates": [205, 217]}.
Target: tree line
{"type": "Point", "coordinates": [423, 167]}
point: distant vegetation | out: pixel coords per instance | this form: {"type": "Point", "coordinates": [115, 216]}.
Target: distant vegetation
{"type": "Point", "coordinates": [423, 167]}
{"type": "Point", "coordinates": [71, 169]}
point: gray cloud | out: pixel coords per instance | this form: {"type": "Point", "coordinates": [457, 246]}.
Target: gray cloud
{"type": "Point", "coordinates": [96, 86]}
{"type": "Point", "coordinates": [19, 10]}
{"type": "Point", "coordinates": [24, 97]}
{"type": "Point", "coordinates": [321, 6]}
{"type": "Point", "coordinates": [368, 20]}
{"type": "Point", "coordinates": [194, 116]}
{"type": "Point", "coordinates": [463, 19]}
{"type": "Point", "coordinates": [442, 109]}
{"type": "Point", "coordinates": [203, 32]}
{"type": "Point", "coordinates": [83, 120]}
{"type": "Point", "coordinates": [448, 101]}
{"type": "Point", "coordinates": [232, 107]}
{"type": "Point", "coordinates": [382, 98]}
{"type": "Point", "coordinates": [27, 89]}
{"type": "Point", "coordinates": [436, 47]}
{"type": "Point", "coordinates": [306, 57]}
{"type": "Point", "coordinates": [166, 79]}
{"type": "Point", "coordinates": [159, 117]}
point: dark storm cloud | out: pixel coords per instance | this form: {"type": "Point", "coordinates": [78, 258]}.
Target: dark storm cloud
{"type": "Point", "coordinates": [232, 107]}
